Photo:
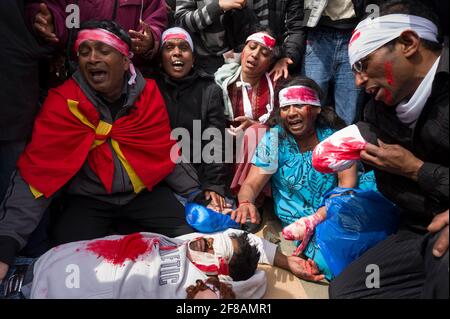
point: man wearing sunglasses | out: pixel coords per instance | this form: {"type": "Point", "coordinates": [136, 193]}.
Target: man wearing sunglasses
{"type": "Point", "coordinates": [398, 59]}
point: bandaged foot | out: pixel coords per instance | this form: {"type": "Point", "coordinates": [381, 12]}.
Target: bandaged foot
{"type": "Point", "coordinates": [302, 229]}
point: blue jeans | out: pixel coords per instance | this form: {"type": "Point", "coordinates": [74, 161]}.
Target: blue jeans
{"type": "Point", "coordinates": [9, 154]}
{"type": "Point", "coordinates": [22, 267]}
{"type": "Point", "coordinates": [326, 62]}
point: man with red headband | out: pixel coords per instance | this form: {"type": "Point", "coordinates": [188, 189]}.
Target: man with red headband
{"type": "Point", "coordinates": [103, 139]}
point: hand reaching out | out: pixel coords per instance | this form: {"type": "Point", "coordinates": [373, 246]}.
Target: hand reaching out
{"type": "Point", "coordinates": [305, 269]}
{"type": "Point", "coordinates": [142, 41]}
{"type": "Point", "coordinates": [281, 69]}
{"type": "Point", "coordinates": [44, 24]}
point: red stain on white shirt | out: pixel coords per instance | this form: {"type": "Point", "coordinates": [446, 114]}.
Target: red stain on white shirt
{"type": "Point", "coordinates": [118, 251]}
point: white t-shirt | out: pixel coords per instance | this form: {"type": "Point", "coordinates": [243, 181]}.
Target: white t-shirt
{"type": "Point", "coordinates": [141, 266]}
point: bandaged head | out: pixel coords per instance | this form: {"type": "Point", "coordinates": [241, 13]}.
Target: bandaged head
{"type": "Point", "coordinates": [110, 39]}
{"type": "Point", "coordinates": [298, 95]}
{"type": "Point", "coordinates": [214, 263]}
{"type": "Point", "coordinates": [177, 33]}
{"type": "Point", "coordinates": [371, 34]}
{"type": "Point", "coordinates": [264, 39]}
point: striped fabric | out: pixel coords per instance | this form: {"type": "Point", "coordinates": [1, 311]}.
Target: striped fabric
{"type": "Point", "coordinates": [203, 19]}
{"type": "Point", "coordinates": [261, 9]}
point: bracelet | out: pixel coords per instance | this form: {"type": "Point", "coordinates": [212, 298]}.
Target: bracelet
{"type": "Point", "coordinates": [245, 202]}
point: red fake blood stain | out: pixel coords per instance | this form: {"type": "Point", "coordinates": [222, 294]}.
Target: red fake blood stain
{"type": "Point", "coordinates": [388, 99]}
{"type": "Point", "coordinates": [355, 37]}
{"type": "Point", "coordinates": [301, 94]}
{"type": "Point", "coordinates": [308, 112]}
{"type": "Point", "coordinates": [269, 41]}
{"type": "Point", "coordinates": [389, 73]}
{"type": "Point", "coordinates": [117, 251]}
{"type": "Point", "coordinates": [348, 148]}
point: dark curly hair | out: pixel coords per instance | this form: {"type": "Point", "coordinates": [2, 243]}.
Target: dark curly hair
{"type": "Point", "coordinates": [225, 290]}
{"type": "Point", "coordinates": [243, 264]}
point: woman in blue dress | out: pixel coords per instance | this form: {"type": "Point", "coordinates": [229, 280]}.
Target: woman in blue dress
{"type": "Point", "coordinates": [284, 157]}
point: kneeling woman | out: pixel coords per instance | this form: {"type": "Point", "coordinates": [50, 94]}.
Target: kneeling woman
{"type": "Point", "coordinates": [194, 103]}
{"type": "Point", "coordinates": [284, 157]}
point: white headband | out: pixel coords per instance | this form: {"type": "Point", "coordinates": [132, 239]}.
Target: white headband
{"type": "Point", "coordinates": [298, 95]}
{"type": "Point", "coordinates": [264, 39]}
{"type": "Point", "coordinates": [371, 34]}
{"type": "Point", "coordinates": [177, 33]}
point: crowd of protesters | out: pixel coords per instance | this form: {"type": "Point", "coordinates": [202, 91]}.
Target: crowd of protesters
{"type": "Point", "coordinates": [88, 147]}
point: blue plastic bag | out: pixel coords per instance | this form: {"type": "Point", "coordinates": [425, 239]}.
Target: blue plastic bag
{"type": "Point", "coordinates": [355, 223]}
{"type": "Point", "coordinates": [206, 220]}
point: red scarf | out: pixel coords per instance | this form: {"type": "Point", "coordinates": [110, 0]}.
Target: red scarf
{"type": "Point", "coordinates": [61, 142]}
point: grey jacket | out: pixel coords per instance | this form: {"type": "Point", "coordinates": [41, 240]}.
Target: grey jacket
{"type": "Point", "coordinates": [20, 212]}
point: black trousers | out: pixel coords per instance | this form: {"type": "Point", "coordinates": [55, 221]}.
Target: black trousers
{"type": "Point", "coordinates": [407, 270]}
{"type": "Point", "coordinates": [84, 218]}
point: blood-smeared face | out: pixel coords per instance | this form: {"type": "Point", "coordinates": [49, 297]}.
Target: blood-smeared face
{"type": "Point", "coordinates": [202, 244]}
{"type": "Point", "coordinates": [299, 120]}
{"type": "Point", "coordinates": [212, 254]}
{"type": "Point", "coordinates": [387, 76]}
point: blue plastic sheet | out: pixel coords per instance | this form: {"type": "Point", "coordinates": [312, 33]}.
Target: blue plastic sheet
{"type": "Point", "coordinates": [206, 220]}
{"type": "Point", "coordinates": [355, 223]}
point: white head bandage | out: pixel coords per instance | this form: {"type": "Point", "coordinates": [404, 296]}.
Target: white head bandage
{"type": "Point", "coordinates": [217, 263]}
{"type": "Point", "coordinates": [371, 34]}
{"type": "Point", "coordinates": [264, 39]}
{"type": "Point", "coordinates": [179, 34]}
{"type": "Point", "coordinates": [298, 95]}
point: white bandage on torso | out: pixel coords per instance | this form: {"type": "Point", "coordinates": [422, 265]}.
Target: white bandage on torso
{"type": "Point", "coordinates": [371, 34]}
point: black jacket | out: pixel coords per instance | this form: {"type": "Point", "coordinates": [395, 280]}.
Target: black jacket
{"type": "Point", "coordinates": [19, 54]}
{"type": "Point", "coordinates": [197, 97]}
{"type": "Point", "coordinates": [286, 21]}
{"type": "Point", "coordinates": [420, 201]}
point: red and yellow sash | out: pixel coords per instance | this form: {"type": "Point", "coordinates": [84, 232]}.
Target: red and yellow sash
{"type": "Point", "coordinates": [68, 130]}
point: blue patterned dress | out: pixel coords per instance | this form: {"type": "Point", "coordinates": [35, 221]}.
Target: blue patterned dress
{"type": "Point", "coordinates": [297, 188]}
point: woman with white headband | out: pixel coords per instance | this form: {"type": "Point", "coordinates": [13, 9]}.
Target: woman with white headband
{"type": "Point", "coordinates": [193, 101]}
{"type": "Point", "coordinates": [248, 92]}
{"type": "Point", "coordinates": [284, 157]}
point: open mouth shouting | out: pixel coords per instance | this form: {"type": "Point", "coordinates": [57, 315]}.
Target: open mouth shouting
{"type": "Point", "coordinates": [97, 75]}
{"type": "Point", "coordinates": [295, 124]}
{"type": "Point", "coordinates": [178, 65]}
